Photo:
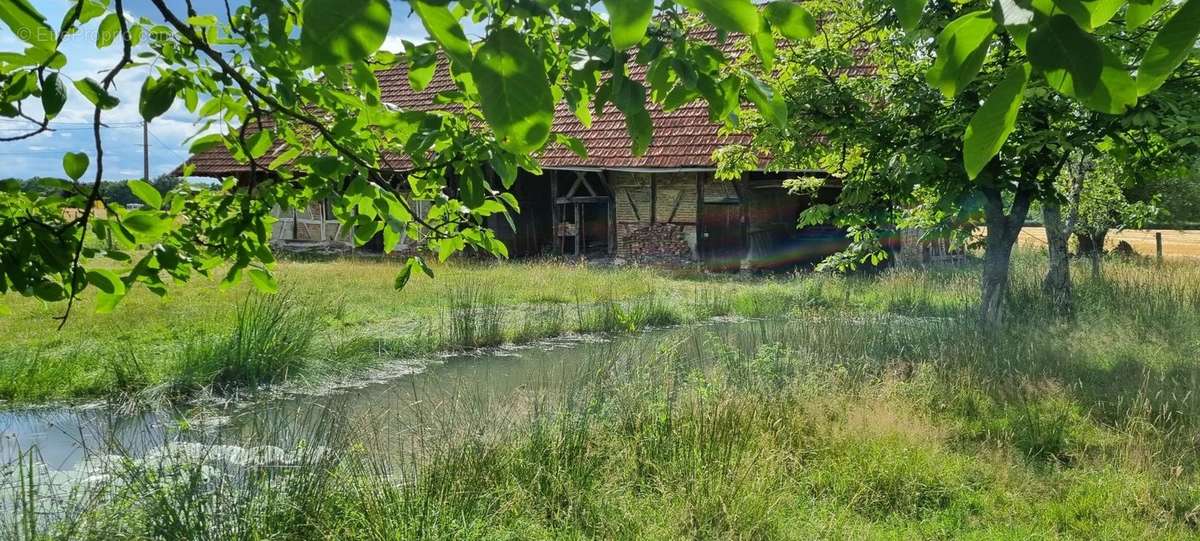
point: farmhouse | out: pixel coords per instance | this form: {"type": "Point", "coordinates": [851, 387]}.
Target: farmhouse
{"type": "Point", "coordinates": [664, 205]}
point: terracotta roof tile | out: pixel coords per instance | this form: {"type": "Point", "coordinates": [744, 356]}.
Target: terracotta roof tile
{"type": "Point", "coordinates": [683, 137]}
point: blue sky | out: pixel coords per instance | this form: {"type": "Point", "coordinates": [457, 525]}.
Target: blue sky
{"type": "Point", "coordinates": [42, 155]}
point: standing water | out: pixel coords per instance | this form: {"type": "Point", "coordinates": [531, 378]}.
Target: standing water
{"type": "Point", "coordinates": [477, 392]}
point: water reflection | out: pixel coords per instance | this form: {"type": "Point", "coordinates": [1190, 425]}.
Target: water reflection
{"type": "Point", "coordinates": [395, 409]}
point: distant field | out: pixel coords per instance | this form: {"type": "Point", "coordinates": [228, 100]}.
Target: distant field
{"type": "Point", "coordinates": [1175, 243]}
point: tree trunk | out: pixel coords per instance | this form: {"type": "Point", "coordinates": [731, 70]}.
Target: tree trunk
{"type": "Point", "coordinates": [1057, 284]}
{"type": "Point", "coordinates": [1002, 232]}
{"type": "Point", "coordinates": [995, 279]}
{"type": "Point", "coordinates": [1091, 245]}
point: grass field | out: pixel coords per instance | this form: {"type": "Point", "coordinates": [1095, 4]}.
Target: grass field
{"type": "Point", "coordinates": [877, 410]}
{"type": "Point", "coordinates": [347, 314]}
{"type": "Point", "coordinates": [1176, 243]}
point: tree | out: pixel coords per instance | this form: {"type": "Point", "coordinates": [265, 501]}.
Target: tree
{"type": "Point", "coordinates": [293, 82]}
{"type": "Point", "coordinates": [1100, 201]}
{"type": "Point", "coordinates": [1014, 89]}
{"type": "Point", "coordinates": [289, 87]}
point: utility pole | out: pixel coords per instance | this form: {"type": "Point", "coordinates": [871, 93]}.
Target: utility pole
{"type": "Point", "coordinates": [146, 151]}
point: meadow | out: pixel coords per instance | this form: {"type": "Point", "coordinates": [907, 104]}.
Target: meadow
{"type": "Point", "coordinates": [859, 407]}
{"type": "Point", "coordinates": [332, 318]}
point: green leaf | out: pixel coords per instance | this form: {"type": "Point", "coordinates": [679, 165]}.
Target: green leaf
{"type": "Point", "coordinates": [630, 97]}
{"type": "Point", "coordinates": [75, 164]}
{"type": "Point", "coordinates": [96, 93]}
{"type": "Point", "coordinates": [763, 44]}
{"type": "Point", "coordinates": [391, 237]}
{"type": "Point", "coordinates": [106, 281]}
{"type": "Point", "coordinates": [365, 229]}
{"type": "Point", "coordinates": [909, 12]}
{"type": "Point", "coordinates": [574, 144]}
{"type": "Point", "coordinates": [729, 15]}
{"type": "Point", "coordinates": [202, 21]}
{"type": "Point", "coordinates": [263, 281]}
{"type": "Point", "coordinates": [403, 276]}
{"type": "Point", "coordinates": [505, 167]}
{"type": "Point", "coordinates": [995, 120]}
{"type": "Point", "coordinates": [54, 95]}
{"type": "Point", "coordinates": [50, 291]}
{"type": "Point", "coordinates": [204, 143]}
{"type": "Point", "coordinates": [107, 302]}
{"type": "Point", "coordinates": [514, 92]}
{"type": "Point", "coordinates": [629, 20]}
{"type": "Point", "coordinates": [343, 31]}
{"type": "Point", "coordinates": [641, 131]}
{"type": "Point", "coordinates": [147, 193]}
{"type": "Point", "coordinates": [769, 102]}
{"type": "Point", "coordinates": [961, 49]}
{"type": "Point", "coordinates": [258, 144]}
{"type": "Point", "coordinates": [1140, 12]}
{"type": "Point", "coordinates": [1171, 46]}
{"type": "Point", "coordinates": [145, 224]}
{"type": "Point", "coordinates": [420, 263]}
{"type": "Point", "coordinates": [792, 20]}
{"type": "Point", "coordinates": [284, 158]}
{"type": "Point", "coordinates": [422, 64]}
{"type": "Point", "coordinates": [28, 24]}
{"type": "Point", "coordinates": [156, 97]}
{"type": "Point", "coordinates": [722, 97]}
{"type": "Point", "coordinates": [1088, 14]}
{"type": "Point", "coordinates": [91, 10]}
{"type": "Point", "coordinates": [1077, 65]}
{"type": "Point", "coordinates": [110, 28]}
{"type": "Point", "coordinates": [1016, 17]}
{"type": "Point", "coordinates": [443, 27]}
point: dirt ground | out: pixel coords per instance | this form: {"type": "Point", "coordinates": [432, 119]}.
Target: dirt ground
{"type": "Point", "coordinates": [1175, 243]}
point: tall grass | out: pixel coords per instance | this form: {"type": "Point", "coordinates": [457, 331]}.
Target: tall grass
{"type": "Point", "coordinates": [878, 409]}
{"type": "Point", "coordinates": [473, 317]}
{"type": "Point", "coordinates": [859, 427]}
{"type": "Point", "coordinates": [271, 337]}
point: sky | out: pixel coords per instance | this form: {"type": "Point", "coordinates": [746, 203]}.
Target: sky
{"type": "Point", "coordinates": [42, 155]}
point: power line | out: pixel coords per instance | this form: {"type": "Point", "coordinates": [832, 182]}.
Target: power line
{"type": "Point", "coordinates": [174, 151]}
{"type": "Point", "coordinates": [11, 121]}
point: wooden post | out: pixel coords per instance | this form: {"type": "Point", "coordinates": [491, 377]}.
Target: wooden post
{"type": "Point", "coordinates": [610, 210]}
{"type": "Point", "coordinates": [1158, 246]}
{"type": "Point", "coordinates": [578, 228]}
{"type": "Point", "coordinates": [554, 218]}
{"type": "Point", "coordinates": [653, 197]}
{"type": "Point", "coordinates": [324, 217]}
{"type": "Point", "coordinates": [700, 244]}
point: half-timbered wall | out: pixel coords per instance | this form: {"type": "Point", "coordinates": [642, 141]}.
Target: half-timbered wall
{"type": "Point", "coordinates": [656, 214]}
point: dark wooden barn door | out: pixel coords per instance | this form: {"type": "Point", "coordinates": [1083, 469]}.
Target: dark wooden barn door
{"type": "Point", "coordinates": [722, 242]}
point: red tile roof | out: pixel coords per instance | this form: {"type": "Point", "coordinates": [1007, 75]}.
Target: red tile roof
{"type": "Point", "coordinates": [683, 138]}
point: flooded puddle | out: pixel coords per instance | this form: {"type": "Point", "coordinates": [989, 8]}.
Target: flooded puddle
{"type": "Point", "coordinates": [477, 391]}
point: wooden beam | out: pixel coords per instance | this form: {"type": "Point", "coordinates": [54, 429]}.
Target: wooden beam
{"type": "Point", "coordinates": [584, 199]}
{"type": "Point", "coordinates": [578, 228]}
{"type": "Point", "coordinates": [612, 211]}
{"type": "Point", "coordinates": [636, 215]}
{"type": "Point", "coordinates": [554, 217]}
{"type": "Point", "coordinates": [744, 206]}
{"type": "Point", "coordinates": [700, 179]}
{"type": "Point", "coordinates": [653, 197]}
{"type": "Point", "coordinates": [675, 209]}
